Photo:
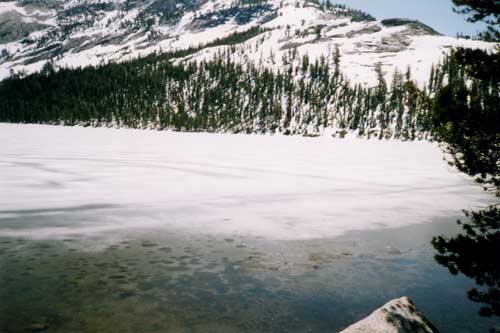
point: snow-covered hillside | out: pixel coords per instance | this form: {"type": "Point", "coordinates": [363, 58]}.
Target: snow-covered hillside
{"type": "Point", "coordinates": [87, 32]}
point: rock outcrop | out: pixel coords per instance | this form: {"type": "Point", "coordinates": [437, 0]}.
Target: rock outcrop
{"type": "Point", "coordinates": [397, 316]}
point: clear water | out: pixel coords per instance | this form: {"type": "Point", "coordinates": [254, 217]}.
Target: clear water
{"type": "Point", "coordinates": [175, 282]}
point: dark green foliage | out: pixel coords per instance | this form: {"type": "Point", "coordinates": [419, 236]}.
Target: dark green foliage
{"type": "Point", "coordinates": [355, 14]}
{"type": "Point", "coordinates": [476, 254]}
{"type": "Point", "coordinates": [466, 115]}
{"type": "Point", "coordinates": [168, 11]}
{"type": "Point", "coordinates": [237, 37]}
{"type": "Point", "coordinates": [360, 16]}
{"type": "Point", "coordinates": [487, 11]}
{"type": "Point", "coordinates": [218, 95]}
{"type": "Point", "coordinates": [241, 14]}
{"type": "Point", "coordinates": [479, 10]}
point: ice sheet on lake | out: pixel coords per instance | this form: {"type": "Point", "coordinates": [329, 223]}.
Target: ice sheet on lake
{"type": "Point", "coordinates": [59, 181]}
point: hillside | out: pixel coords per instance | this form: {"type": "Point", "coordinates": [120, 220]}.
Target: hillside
{"type": "Point", "coordinates": [218, 66]}
{"type": "Point", "coordinates": [81, 33]}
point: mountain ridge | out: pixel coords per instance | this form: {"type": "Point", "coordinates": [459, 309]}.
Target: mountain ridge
{"type": "Point", "coordinates": [82, 33]}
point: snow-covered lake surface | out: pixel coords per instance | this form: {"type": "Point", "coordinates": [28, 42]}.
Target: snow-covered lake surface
{"type": "Point", "coordinates": [105, 230]}
{"type": "Point", "coordinates": [274, 187]}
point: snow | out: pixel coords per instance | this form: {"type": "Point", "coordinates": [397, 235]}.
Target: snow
{"type": "Point", "coordinates": [12, 6]}
{"type": "Point", "coordinates": [424, 51]}
{"type": "Point", "coordinates": [359, 53]}
{"type": "Point", "coordinates": [358, 56]}
{"type": "Point", "coordinates": [294, 17]}
{"type": "Point", "coordinates": [93, 181]}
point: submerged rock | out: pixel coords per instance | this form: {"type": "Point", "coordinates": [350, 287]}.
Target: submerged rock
{"type": "Point", "coordinates": [39, 327]}
{"type": "Point", "coordinates": [397, 316]}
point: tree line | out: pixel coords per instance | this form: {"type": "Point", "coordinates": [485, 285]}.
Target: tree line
{"type": "Point", "coordinates": [304, 98]}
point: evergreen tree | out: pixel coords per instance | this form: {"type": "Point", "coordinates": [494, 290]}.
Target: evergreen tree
{"type": "Point", "coordinates": [466, 115]}
{"type": "Point", "coordinates": [487, 11]}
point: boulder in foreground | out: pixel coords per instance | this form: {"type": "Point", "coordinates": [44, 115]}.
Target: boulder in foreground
{"type": "Point", "coordinates": [397, 316]}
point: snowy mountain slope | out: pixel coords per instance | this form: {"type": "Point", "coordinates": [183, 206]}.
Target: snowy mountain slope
{"type": "Point", "coordinates": [361, 45]}
{"type": "Point", "coordinates": [81, 33]}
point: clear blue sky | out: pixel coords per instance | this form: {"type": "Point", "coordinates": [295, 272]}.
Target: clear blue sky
{"type": "Point", "coordinates": [436, 13]}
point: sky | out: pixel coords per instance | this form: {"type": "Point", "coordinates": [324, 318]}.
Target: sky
{"type": "Point", "coordinates": [436, 13]}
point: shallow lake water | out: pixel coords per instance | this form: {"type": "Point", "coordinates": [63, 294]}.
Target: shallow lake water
{"type": "Point", "coordinates": [178, 282]}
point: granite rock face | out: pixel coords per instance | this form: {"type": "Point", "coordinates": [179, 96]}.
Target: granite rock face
{"type": "Point", "coordinates": [397, 316]}
{"type": "Point", "coordinates": [416, 25]}
{"type": "Point", "coordinates": [12, 27]}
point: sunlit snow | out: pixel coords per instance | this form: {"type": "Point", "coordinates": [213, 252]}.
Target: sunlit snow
{"type": "Point", "coordinates": [361, 44]}
{"type": "Point", "coordinates": [59, 181]}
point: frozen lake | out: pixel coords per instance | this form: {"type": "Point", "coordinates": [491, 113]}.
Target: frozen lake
{"type": "Point", "coordinates": [283, 188]}
{"type": "Point", "coordinates": [106, 230]}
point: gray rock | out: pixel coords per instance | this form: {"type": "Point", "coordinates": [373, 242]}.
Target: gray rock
{"type": "Point", "coordinates": [414, 24]}
{"type": "Point", "coordinates": [368, 30]}
{"type": "Point", "coordinates": [13, 28]}
{"type": "Point", "coordinates": [397, 316]}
